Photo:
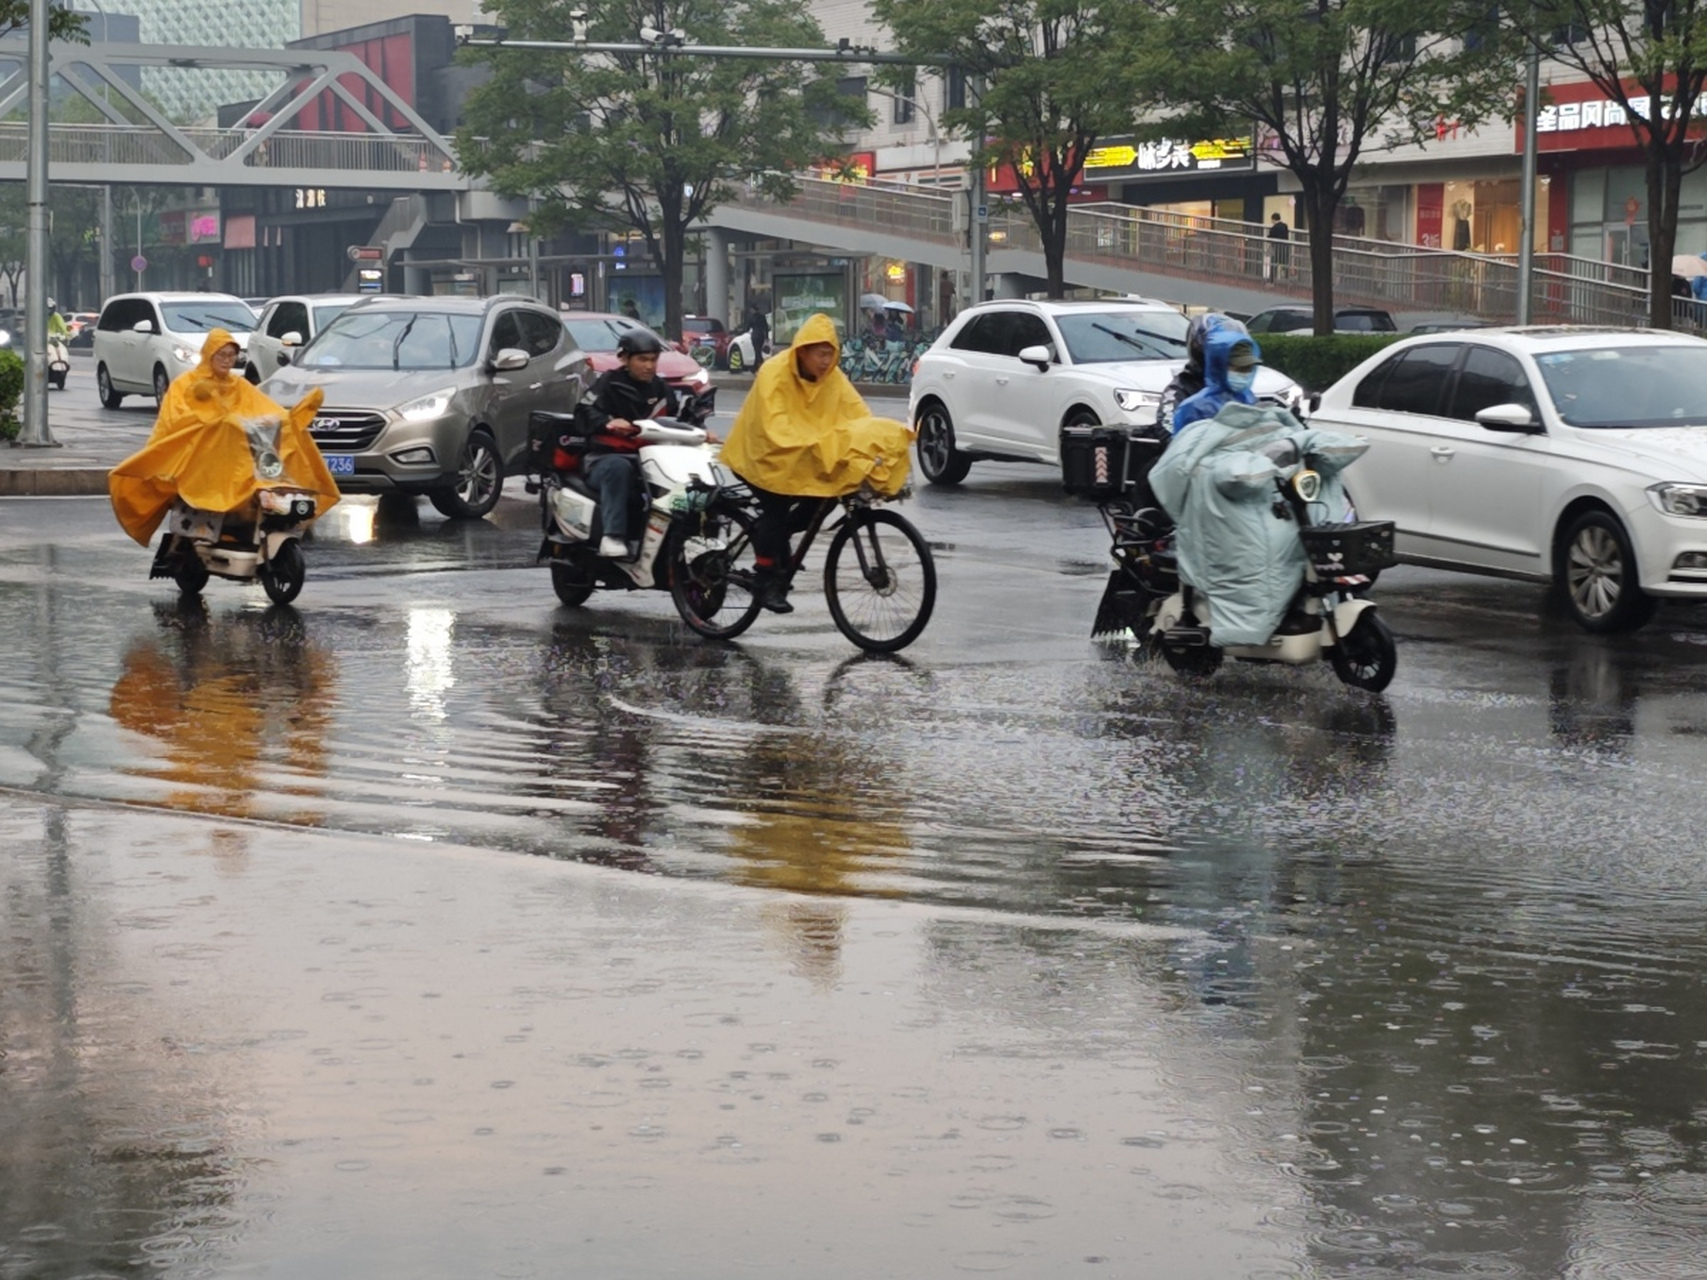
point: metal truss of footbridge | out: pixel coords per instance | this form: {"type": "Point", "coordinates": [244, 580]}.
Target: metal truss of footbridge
{"type": "Point", "coordinates": [159, 152]}
{"type": "Point", "coordinates": [1196, 261]}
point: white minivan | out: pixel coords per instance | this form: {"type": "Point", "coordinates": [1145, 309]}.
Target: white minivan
{"type": "Point", "coordinates": [144, 340]}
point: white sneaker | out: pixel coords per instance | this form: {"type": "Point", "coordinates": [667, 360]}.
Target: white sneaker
{"type": "Point", "coordinates": [613, 548]}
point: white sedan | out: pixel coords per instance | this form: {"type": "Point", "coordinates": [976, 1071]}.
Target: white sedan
{"type": "Point", "coordinates": [1572, 456]}
{"type": "Point", "coordinates": [1007, 378]}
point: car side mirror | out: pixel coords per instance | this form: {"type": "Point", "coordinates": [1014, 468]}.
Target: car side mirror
{"type": "Point", "coordinates": [1037, 356]}
{"type": "Point", "coordinates": [1314, 401]}
{"type": "Point", "coordinates": [509, 360]}
{"type": "Point", "coordinates": [1514, 418]}
{"type": "Point", "coordinates": [143, 326]}
{"type": "Point", "coordinates": [291, 339]}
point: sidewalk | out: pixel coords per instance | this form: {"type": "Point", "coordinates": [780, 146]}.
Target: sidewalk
{"type": "Point", "coordinates": [87, 450]}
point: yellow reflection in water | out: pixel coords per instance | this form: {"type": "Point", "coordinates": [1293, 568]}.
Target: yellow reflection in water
{"type": "Point", "coordinates": [239, 705]}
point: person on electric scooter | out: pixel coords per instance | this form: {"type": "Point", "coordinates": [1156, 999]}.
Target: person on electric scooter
{"type": "Point", "coordinates": [620, 399]}
{"type": "Point", "coordinates": [804, 434]}
{"type": "Point", "coordinates": [1230, 361]}
{"type": "Point", "coordinates": [1189, 380]}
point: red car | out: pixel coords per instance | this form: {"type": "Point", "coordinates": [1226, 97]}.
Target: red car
{"type": "Point", "coordinates": [597, 332]}
{"type": "Point", "coordinates": [707, 340]}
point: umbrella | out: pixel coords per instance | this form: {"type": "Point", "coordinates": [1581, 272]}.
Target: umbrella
{"type": "Point", "coordinates": [904, 308]}
{"type": "Point", "coordinates": [1688, 266]}
{"type": "Point", "coordinates": [873, 302]}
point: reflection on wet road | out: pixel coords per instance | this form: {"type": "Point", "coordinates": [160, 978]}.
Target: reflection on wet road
{"type": "Point", "coordinates": [1443, 946]}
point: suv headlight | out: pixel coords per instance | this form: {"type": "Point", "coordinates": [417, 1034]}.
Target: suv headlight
{"type": "Point", "coordinates": [1680, 499]}
{"type": "Point", "coordinates": [1134, 401]}
{"type": "Point", "coordinates": [431, 405]}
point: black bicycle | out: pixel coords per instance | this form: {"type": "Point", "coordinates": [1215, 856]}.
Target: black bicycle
{"type": "Point", "coordinates": [879, 576]}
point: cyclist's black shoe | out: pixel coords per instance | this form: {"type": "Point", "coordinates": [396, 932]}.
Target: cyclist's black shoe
{"type": "Point", "coordinates": [772, 592]}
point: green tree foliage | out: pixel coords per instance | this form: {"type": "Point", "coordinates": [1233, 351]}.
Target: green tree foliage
{"type": "Point", "coordinates": [1048, 78]}
{"type": "Point", "coordinates": [14, 247]}
{"type": "Point", "coordinates": [1327, 81]}
{"type": "Point", "coordinates": [1651, 59]}
{"type": "Point", "coordinates": [650, 141]}
{"type": "Point", "coordinates": [62, 22]}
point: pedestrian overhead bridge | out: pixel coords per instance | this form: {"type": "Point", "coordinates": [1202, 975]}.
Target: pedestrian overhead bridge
{"type": "Point", "coordinates": [137, 144]}
{"type": "Point", "coordinates": [1196, 261]}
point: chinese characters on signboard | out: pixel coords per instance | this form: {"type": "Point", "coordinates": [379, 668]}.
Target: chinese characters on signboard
{"type": "Point", "coordinates": [1118, 159]}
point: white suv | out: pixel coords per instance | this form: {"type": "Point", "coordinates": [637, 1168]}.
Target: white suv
{"type": "Point", "coordinates": [291, 322]}
{"type": "Point", "coordinates": [1007, 378]}
{"type": "Point", "coordinates": [144, 340]}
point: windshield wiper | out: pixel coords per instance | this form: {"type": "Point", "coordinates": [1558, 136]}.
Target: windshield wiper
{"type": "Point", "coordinates": [450, 333]}
{"type": "Point", "coordinates": [1130, 341]}
{"type": "Point", "coordinates": [227, 323]}
{"type": "Point", "coordinates": [397, 345]}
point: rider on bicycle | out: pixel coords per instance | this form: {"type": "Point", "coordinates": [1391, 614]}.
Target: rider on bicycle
{"type": "Point", "coordinates": [804, 434]}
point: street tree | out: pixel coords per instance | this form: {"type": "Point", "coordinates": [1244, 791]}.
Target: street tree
{"type": "Point", "coordinates": [1326, 82]}
{"type": "Point", "coordinates": [14, 219]}
{"type": "Point", "coordinates": [1044, 81]}
{"type": "Point", "coordinates": [63, 23]}
{"type": "Point", "coordinates": [1650, 60]}
{"type": "Point", "coordinates": [650, 141]}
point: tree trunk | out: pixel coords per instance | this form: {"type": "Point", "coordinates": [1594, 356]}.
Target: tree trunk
{"type": "Point", "coordinates": [1665, 186]}
{"type": "Point", "coordinates": [1319, 207]}
{"type": "Point", "coordinates": [674, 243]}
{"type": "Point", "coordinates": [1054, 229]}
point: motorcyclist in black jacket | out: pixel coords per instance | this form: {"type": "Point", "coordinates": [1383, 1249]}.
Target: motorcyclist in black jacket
{"type": "Point", "coordinates": [620, 399]}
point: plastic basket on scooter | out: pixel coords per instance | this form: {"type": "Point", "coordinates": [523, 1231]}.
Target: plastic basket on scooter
{"type": "Point", "coordinates": [1346, 550]}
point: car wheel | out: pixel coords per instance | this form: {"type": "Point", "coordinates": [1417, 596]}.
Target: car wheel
{"type": "Point", "coordinates": [1596, 571]}
{"type": "Point", "coordinates": [478, 484]}
{"type": "Point", "coordinates": [940, 461]}
{"type": "Point", "coordinates": [104, 387]}
{"type": "Point", "coordinates": [162, 382]}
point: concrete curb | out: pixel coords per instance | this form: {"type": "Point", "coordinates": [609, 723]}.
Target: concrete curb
{"type": "Point", "coordinates": [52, 482]}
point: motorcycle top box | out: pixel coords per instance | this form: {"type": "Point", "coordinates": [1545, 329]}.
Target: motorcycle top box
{"type": "Point", "coordinates": [1103, 462]}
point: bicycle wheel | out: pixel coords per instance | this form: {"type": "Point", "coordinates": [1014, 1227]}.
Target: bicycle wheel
{"type": "Point", "coordinates": [712, 572]}
{"type": "Point", "coordinates": [880, 581]}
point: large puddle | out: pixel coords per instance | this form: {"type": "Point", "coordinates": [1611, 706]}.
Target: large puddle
{"type": "Point", "coordinates": [1457, 930]}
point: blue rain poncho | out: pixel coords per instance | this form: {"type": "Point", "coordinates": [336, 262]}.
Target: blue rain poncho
{"type": "Point", "coordinates": [1218, 486]}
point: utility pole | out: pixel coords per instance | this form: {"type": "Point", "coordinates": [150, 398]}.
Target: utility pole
{"type": "Point", "coordinates": [1526, 236]}
{"type": "Point", "coordinates": [35, 431]}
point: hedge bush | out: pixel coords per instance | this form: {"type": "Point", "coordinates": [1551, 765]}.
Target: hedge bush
{"type": "Point", "coordinates": [11, 391]}
{"type": "Point", "coordinates": [1317, 363]}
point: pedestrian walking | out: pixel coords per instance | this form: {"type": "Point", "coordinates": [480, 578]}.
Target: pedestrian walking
{"type": "Point", "coordinates": [1280, 247]}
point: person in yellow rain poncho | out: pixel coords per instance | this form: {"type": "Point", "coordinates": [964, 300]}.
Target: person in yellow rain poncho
{"type": "Point", "coordinates": [199, 449]}
{"type": "Point", "coordinates": [804, 433]}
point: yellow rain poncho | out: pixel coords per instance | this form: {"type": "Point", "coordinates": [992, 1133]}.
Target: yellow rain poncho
{"type": "Point", "coordinates": [814, 439]}
{"type": "Point", "coordinates": [199, 450]}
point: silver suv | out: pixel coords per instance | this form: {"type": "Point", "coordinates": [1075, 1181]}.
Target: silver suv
{"type": "Point", "coordinates": [432, 395]}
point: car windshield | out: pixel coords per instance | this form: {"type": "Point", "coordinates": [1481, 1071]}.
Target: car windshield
{"type": "Point", "coordinates": [598, 335]}
{"type": "Point", "coordinates": [194, 316]}
{"type": "Point", "coordinates": [395, 340]}
{"type": "Point", "coordinates": [1101, 337]}
{"type": "Point", "coordinates": [1647, 386]}
{"type": "Point", "coordinates": [328, 312]}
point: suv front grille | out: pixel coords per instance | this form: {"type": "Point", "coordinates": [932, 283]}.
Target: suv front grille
{"type": "Point", "coordinates": [346, 430]}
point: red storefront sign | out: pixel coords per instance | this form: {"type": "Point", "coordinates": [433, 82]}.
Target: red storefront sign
{"type": "Point", "coordinates": [1580, 117]}
{"type": "Point", "coordinates": [1431, 206]}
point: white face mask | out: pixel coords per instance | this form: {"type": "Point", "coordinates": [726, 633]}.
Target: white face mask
{"type": "Point", "coordinates": [1241, 380]}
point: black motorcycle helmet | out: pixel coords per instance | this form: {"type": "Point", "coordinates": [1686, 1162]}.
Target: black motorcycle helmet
{"type": "Point", "coordinates": [1200, 328]}
{"type": "Point", "coordinates": [639, 342]}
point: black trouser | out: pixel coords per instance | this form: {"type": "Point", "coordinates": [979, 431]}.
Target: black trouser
{"type": "Point", "coordinates": [779, 515]}
{"type": "Point", "coordinates": [615, 477]}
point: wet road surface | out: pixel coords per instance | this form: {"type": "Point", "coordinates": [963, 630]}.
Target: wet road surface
{"type": "Point", "coordinates": [1259, 977]}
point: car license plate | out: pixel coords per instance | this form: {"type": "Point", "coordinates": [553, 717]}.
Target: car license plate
{"type": "Point", "coordinates": [341, 464]}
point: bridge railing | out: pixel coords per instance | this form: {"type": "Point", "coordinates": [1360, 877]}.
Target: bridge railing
{"type": "Point", "coordinates": [1366, 271]}
{"type": "Point", "coordinates": [286, 149]}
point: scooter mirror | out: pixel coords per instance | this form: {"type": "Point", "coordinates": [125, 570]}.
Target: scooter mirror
{"type": "Point", "coordinates": [1307, 485]}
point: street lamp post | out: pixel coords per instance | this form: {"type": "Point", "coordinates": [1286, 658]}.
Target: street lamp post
{"type": "Point", "coordinates": [35, 431]}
